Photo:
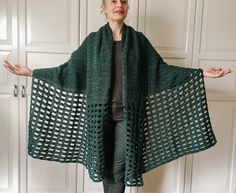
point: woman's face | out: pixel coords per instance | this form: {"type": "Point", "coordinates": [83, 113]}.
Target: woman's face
{"type": "Point", "coordinates": [116, 10]}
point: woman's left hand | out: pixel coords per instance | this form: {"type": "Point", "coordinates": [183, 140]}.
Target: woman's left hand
{"type": "Point", "coordinates": [216, 72]}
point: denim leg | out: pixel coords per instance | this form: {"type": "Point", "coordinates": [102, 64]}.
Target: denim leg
{"type": "Point", "coordinates": [114, 183]}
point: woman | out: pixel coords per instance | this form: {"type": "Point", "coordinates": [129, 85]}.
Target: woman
{"type": "Point", "coordinates": [118, 137]}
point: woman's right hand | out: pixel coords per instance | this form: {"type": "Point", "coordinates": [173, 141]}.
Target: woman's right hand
{"type": "Point", "coordinates": [17, 69]}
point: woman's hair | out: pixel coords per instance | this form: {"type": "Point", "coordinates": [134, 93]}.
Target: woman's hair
{"type": "Point", "coordinates": [103, 1]}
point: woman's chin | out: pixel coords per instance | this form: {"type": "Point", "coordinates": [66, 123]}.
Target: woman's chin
{"type": "Point", "coordinates": [118, 19]}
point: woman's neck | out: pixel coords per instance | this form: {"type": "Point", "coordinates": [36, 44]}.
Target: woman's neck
{"type": "Point", "coordinates": [116, 28]}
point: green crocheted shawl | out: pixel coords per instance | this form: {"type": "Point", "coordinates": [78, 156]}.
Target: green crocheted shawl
{"type": "Point", "coordinates": [165, 108]}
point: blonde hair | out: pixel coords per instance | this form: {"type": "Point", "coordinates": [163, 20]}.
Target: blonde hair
{"type": "Point", "coordinates": [104, 2]}
{"type": "Point", "coordinates": [102, 12]}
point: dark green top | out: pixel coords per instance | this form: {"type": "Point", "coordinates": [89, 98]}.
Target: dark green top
{"type": "Point", "coordinates": [165, 107]}
{"type": "Point", "coordinates": [117, 113]}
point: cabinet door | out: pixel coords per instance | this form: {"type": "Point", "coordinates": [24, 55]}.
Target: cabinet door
{"type": "Point", "coordinates": [215, 45]}
{"type": "Point", "coordinates": [9, 151]}
{"type": "Point", "coordinates": [169, 26]}
{"type": "Point", "coordinates": [49, 32]}
{"type": "Point", "coordinates": [198, 34]}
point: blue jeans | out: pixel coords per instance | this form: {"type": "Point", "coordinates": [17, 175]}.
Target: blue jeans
{"type": "Point", "coordinates": [115, 159]}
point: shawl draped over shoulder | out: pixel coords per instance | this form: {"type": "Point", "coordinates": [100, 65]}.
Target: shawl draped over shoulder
{"type": "Point", "coordinates": [165, 107]}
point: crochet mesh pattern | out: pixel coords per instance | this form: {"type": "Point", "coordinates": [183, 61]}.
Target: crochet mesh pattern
{"type": "Point", "coordinates": [174, 123]}
{"type": "Point", "coordinates": [59, 130]}
{"type": "Point", "coordinates": [57, 124]}
{"type": "Point", "coordinates": [177, 123]}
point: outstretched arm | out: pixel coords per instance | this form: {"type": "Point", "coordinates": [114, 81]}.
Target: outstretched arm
{"type": "Point", "coordinates": [18, 69]}
{"type": "Point", "coordinates": [216, 72]}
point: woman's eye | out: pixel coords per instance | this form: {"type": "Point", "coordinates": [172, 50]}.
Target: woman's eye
{"type": "Point", "coordinates": [123, 2]}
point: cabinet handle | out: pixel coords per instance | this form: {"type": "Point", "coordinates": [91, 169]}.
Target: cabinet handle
{"type": "Point", "coordinates": [15, 91]}
{"type": "Point", "coordinates": [23, 92]}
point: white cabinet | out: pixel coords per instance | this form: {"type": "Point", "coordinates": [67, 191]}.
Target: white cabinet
{"type": "Point", "coordinates": [215, 45]}
{"type": "Point", "coordinates": [191, 33]}
{"type": "Point", "coordinates": [50, 31]}
{"type": "Point", "coordinates": [9, 117]}
{"type": "Point", "coordinates": [198, 34]}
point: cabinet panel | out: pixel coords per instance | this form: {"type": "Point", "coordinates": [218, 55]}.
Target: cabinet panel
{"type": "Point", "coordinates": [4, 143]}
{"type": "Point", "coordinates": [47, 21]}
{"type": "Point", "coordinates": [166, 23]}
{"type": "Point", "coordinates": [9, 153]}
{"type": "Point", "coordinates": [218, 32]}
{"type": "Point", "coordinates": [213, 169]}
{"type": "Point", "coordinates": [168, 178]}
{"type": "Point", "coordinates": [46, 176]}
{"type": "Point", "coordinates": [5, 22]}
{"type": "Point", "coordinates": [51, 25]}
{"type": "Point", "coordinates": [3, 19]}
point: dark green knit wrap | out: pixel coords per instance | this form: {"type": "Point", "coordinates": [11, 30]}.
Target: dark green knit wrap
{"type": "Point", "coordinates": [165, 108]}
